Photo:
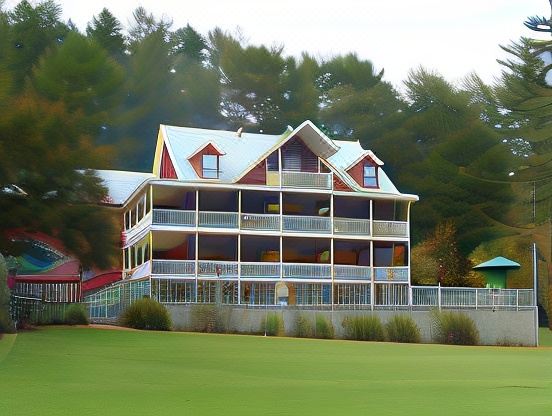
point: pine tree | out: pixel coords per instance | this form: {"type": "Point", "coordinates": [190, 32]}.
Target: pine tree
{"type": "Point", "coordinates": [106, 30]}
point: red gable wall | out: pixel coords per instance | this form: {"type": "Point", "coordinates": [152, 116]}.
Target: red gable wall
{"type": "Point", "coordinates": [357, 171]}
{"type": "Point", "coordinates": [256, 176]}
{"type": "Point", "coordinates": [167, 167]}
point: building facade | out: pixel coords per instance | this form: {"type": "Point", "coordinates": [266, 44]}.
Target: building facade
{"type": "Point", "coordinates": [295, 219]}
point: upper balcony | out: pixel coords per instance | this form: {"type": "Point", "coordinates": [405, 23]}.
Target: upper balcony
{"type": "Point", "coordinates": [306, 180]}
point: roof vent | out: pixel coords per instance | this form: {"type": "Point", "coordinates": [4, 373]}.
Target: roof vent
{"type": "Point", "coordinates": [239, 132]}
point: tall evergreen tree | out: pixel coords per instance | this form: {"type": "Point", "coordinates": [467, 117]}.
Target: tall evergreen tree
{"type": "Point", "coordinates": [32, 31]}
{"type": "Point", "coordinates": [106, 30]}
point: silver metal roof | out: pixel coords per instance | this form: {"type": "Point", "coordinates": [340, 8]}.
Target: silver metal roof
{"type": "Point", "coordinates": [121, 184]}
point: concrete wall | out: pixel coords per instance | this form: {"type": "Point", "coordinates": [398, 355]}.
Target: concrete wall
{"type": "Point", "coordinates": [499, 327]}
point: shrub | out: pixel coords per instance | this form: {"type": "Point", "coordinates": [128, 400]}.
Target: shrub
{"type": "Point", "coordinates": [402, 328]}
{"type": "Point", "coordinates": [76, 314]}
{"type": "Point", "coordinates": [303, 327]}
{"type": "Point", "coordinates": [146, 313]}
{"type": "Point", "coordinates": [454, 328]}
{"type": "Point", "coordinates": [272, 324]}
{"type": "Point", "coordinates": [364, 328]}
{"type": "Point", "coordinates": [324, 327]}
{"type": "Point", "coordinates": [204, 318]}
{"type": "Point", "coordinates": [6, 325]}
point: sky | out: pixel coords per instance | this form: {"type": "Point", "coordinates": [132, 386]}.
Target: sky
{"type": "Point", "coordinates": [453, 38]}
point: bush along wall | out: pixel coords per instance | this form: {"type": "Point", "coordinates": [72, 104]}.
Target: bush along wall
{"type": "Point", "coordinates": [146, 313]}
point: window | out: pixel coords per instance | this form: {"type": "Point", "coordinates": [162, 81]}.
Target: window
{"type": "Point", "coordinates": [210, 166]}
{"type": "Point", "coordinates": [370, 178]}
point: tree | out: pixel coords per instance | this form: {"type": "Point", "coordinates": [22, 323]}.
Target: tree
{"type": "Point", "coordinates": [106, 30]}
{"type": "Point", "coordinates": [47, 158]}
{"type": "Point", "coordinates": [146, 24]}
{"type": "Point", "coordinates": [189, 43]}
{"type": "Point", "coordinates": [80, 74]}
{"type": "Point", "coordinates": [439, 260]}
{"type": "Point", "coordinates": [32, 31]}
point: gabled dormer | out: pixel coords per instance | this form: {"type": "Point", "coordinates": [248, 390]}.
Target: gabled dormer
{"type": "Point", "coordinates": [365, 170]}
{"type": "Point", "coordinates": [206, 161]}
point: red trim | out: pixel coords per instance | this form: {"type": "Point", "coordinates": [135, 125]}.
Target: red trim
{"type": "Point", "coordinates": [46, 279]}
{"type": "Point", "coordinates": [101, 280]}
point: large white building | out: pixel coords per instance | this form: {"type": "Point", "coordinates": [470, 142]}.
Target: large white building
{"type": "Point", "coordinates": [256, 219]}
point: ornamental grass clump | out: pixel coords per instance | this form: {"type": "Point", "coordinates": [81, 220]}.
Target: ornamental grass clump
{"type": "Point", "coordinates": [303, 327]}
{"type": "Point", "coordinates": [76, 314]}
{"type": "Point", "coordinates": [402, 328]}
{"type": "Point", "coordinates": [324, 328]}
{"type": "Point", "coordinates": [364, 328]}
{"type": "Point", "coordinates": [272, 325]}
{"type": "Point", "coordinates": [146, 313]}
{"type": "Point", "coordinates": [454, 328]}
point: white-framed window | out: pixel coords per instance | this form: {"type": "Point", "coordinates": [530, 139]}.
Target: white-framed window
{"type": "Point", "coordinates": [209, 166]}
{"type": "Point", "coordinates": [370, 179]}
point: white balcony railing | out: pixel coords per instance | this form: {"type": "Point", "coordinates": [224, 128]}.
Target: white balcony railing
{"type": "Point", "coordinates": [218, 219]}
{"type": "Point", "coordinates": [261, 222]}
{"type": "Point", "coordinates": [174, 217]}
{"type": "Point", "coordinates": [305, 224]}
{"type": "Point", "coordinates": [306, 271]}
{"type": "Point", "coordinates": [351, 226]}
{"type": "Point", "coordinates": [215, 268]}
{"type": "Point", "coordinates": [346, 272]}
{"type": "Point", "coordinates": [396, 274]}
{"type": "Point", "coordinates": [390, 229]}
{"type": "Point", "coordinates": [174, 267]}
{"type": "Point", "coordinates": [260, 270]}
{"type": "Point", "coordinates": [307, 180]}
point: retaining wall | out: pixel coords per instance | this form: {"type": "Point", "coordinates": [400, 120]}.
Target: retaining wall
{"type": "Point", "coordinates": [498, 327]}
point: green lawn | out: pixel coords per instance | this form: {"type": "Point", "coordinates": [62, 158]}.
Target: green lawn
{"type": "Point", "coordinates": [80, 371]}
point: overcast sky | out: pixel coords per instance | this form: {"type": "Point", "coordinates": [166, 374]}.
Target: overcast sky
{"type": "Point", "coordinates": [451, 37]}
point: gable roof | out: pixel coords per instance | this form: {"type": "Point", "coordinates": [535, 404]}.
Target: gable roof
{"type": "Point", "coordinates": [243, 152]}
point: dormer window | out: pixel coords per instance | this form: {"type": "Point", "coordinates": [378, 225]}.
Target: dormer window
{"type": "Point", "coordinates": [370, 179]}
{"type": "Point", "coordinates": [210, 166]}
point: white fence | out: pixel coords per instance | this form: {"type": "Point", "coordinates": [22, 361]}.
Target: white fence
{"type": "Point", "coordinates": [174, 217]}
{"type": "Point", "coordinates": [303, 223]}
{"type": "Point", "coordinates": [471, 298]}
{"type": "Point", "coordinates": [307, 180]}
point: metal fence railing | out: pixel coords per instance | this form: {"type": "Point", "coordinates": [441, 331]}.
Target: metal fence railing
{"type": "Point", "coordinates": [346, 294]}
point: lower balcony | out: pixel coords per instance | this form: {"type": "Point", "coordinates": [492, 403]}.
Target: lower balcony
{"type": "Point", "coordinates": [347, 272]}
{"type": "Point", "coordinates": [260, 270]}
{"type": "Point", "coordinates": [174, 267]}
{"type": "Point", "coordinates": [306, 271]}
{"type": "Point", "coordinates": [215, 268]}
{"type": "Point", "coordinates": [395, 274]}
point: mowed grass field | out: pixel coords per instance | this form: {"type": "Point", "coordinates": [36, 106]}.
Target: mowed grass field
{"type": "Point", "coordinates": [86, 371]}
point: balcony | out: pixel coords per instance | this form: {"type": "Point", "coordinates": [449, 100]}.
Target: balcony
{"type": "Point", "coordinates": [306, 224]}
{"type": "Point", "coordinates": [260, 270]}
{"type": "Point", "coordinates": [218, 219]}
{"type": "Point", "coordinates": [390, 229]}
{"type": "Point", "coordinates": [346, 272]}
{"type": "Point", "coordinates": [260, 222]}
{"type": "Point", "coordinates": [388, 274]}
{"type": "Point", "coordinates": [307, 180]}
{"type": "Point", "coordinates": [174, 217]}
{"type": "Point", "coordinates": [351, 226]}
{"type": "Point", "coordinates": [174, 267]}
{"type": "Point", "coordinates": [215, 268]}
{"type": "Point", "coordinates": [306, 271]}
